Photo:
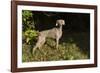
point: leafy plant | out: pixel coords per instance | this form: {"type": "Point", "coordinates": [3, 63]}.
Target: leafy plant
{"type": "Point", "coordinates": [29, 32]}
{"type": "Point", "coordinates": [27, 19]}
{"type": "Point", "coordinates": [30, 35]}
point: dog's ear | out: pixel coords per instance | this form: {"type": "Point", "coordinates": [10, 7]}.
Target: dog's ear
{"type": "Point", "coordinates": [57, 23]}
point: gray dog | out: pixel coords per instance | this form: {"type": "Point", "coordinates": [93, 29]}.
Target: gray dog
{"type": "Point", "coordinates": [54, 33]}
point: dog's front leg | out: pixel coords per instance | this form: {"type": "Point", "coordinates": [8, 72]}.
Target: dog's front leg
{"type": "Point", "coordinates": [57, 43]}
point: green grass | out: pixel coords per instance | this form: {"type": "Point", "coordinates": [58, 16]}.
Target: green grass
{"type": "Point", "coordinates": [73, 46]}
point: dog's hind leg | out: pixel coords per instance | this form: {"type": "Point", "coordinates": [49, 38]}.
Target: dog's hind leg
{"type": "Point", "coordinates": [39, 43]}
{"type": "Point", "coordinates": [57, 43]}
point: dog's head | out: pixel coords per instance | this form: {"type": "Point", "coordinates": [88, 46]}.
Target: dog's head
{"type": "Point", "coordinates": [60, 22]}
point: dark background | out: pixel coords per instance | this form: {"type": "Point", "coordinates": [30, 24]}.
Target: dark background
{"type": "Point", "coordinates": [73, 21]}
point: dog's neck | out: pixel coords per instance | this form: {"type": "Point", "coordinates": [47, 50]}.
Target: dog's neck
{"type": "Point", "coordinates": [59, 27]}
